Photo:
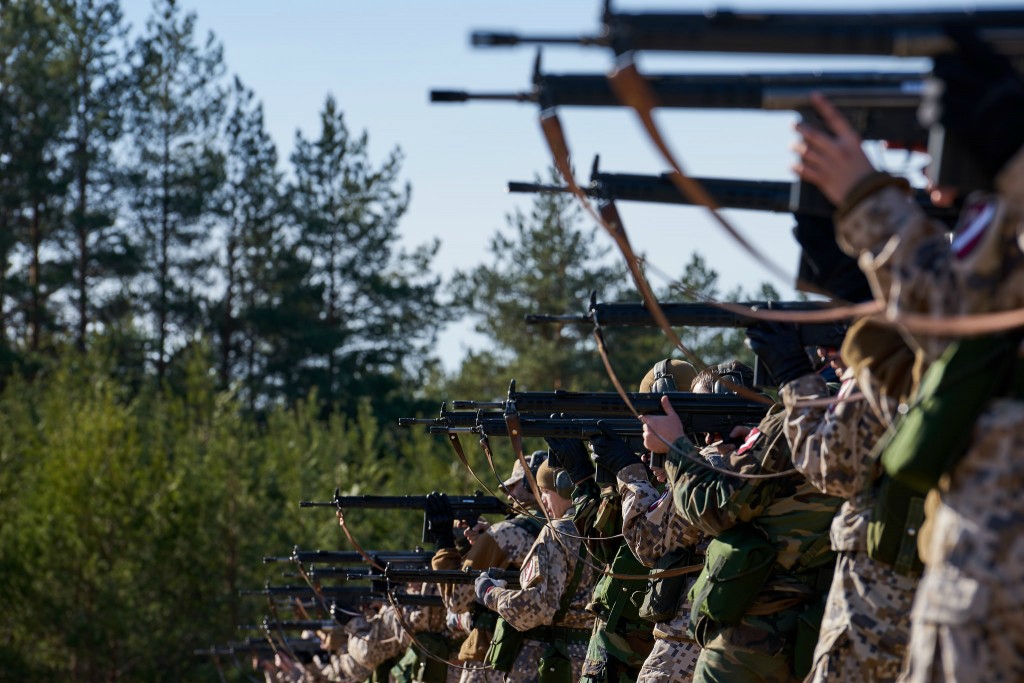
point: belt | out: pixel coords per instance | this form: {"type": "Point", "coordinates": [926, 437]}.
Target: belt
{"type": "Point", "coordinates": [549, 634]}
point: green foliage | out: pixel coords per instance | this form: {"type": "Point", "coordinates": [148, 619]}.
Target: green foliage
{"type": "Point", "coordinates": [130, 519]}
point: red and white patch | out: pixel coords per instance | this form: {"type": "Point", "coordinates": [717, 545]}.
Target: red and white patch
{"type": "Point", "coordinates": [749, 442]}
{"type": "Point", "coordinates": [530, 572]}
{"type": "Point", "coordinates": [975, 220]}
{"type": "Point", "coordinates": [658, 502]}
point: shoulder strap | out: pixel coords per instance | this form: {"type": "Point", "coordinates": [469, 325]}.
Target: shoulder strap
{"type": "Point", "coordinates": [570, 590]}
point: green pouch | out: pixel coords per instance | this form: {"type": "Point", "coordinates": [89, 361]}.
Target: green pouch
{"type": "Point", "coordinates": [934, 434]}
{"type": "Point", "coordinates": [896, 518]}
{"type": "Point", "coordinates": [415, 666]}
{"type": "Point", "coordinates": [504, 647]}
{"type": "Point", "coordinates": [555, 666]}
{"type": "Point", "coordinates": [612, 598]}
{"type": "Point", "coordinates": [737, 564]}
{"type": "Point", "coordinates": [808, 625]}
{"type": "Point", "coordinates": [661, 601]}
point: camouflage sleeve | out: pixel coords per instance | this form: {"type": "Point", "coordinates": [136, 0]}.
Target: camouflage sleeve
{"type": "Point", "coordinates": [544, 577]}
{"type": "Point", "coordinates": [712, 501]}
{"type": "Point", "coordinates": [831, 445]}
{"type": "Point", "coordinates": [514, 540]}
{"type": "Point", "coordinates": [381, 638]}
{"type": "Point", "coordinates": [913, 267]}
{"type": "Point", "coordinates": [649, 526]}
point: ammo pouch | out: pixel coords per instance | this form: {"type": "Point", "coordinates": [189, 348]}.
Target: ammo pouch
{"type": "Point", "coordinates": [416, 666]}
{"type": "Point", "coordinates": [935, 433]}
{"type": "Point", "coordinates": [504, 647]}
{"type": "Point", "coordinates": [896, 519]}
{"type": "Point", "coordinates": [663, 596]}
{"type": "Point", "coordinates": [737, 564]}
{"type": "Point", "coordinates": [555, 665]}
{"type": "Point", "coordinates": [808, 625]}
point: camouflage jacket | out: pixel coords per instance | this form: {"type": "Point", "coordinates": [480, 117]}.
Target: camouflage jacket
{"type": "Point", "coordinates": [792, 514]}
{"type": "Point", "coordinates": [833, 448]}
{"type": "Point", "coordinates": [544, 578]}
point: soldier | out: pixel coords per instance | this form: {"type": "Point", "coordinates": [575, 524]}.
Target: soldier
{"type": "Point", "coordinates": [503, 545]}
{"type": "Point", "coordinates": [866, 626]}
{"type": "Point", "coordinates": [769, 563]}
{"type": "Point", "coordinates": [968, 618]}
{"type": "Point", "coordinates": [556, 582]}
{"type": "Point", "coordinates": [657, 538]}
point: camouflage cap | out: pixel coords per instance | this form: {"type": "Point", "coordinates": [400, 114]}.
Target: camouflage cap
{"type": "Point", "coordinates": [535, 460]}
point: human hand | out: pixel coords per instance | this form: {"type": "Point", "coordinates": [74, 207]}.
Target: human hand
{"type": "Point", "coordinates": [485, 583]}
{"type": "Point", "coordinates": [612, 453]}
{"type": "Point", "coordinates": [834, 162]}
{"type": "Point", "coordinates": [661, 431]}
{"type": "Point", "coordinates": [778, 346]}
{"type": "Point", "coordinates": [440, 519]}
{"type": "Point", "coordinates": [572, 456]}
{"type": "Point", "coordinates": [978, 96]}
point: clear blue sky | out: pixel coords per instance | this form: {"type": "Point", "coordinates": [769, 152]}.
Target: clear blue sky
{"type": "Point", "coordinates": [379, 58]}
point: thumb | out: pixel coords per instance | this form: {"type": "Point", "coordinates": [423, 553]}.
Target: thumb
{"type": "Point", "coordinates": [666, 405]}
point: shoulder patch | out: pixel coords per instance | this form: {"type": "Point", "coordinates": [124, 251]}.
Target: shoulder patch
{"type": "Point", "coordinates": [658, 502]}
{"type": "Point", "coordinates": [750, 441]}
{"type": "Point", "coordinates": [976, 219]}
{"type": "Point", "coordinates": [530, 573]}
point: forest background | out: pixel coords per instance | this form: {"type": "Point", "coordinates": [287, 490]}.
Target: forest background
{"type": "Point", "coordinates": [196, 334]}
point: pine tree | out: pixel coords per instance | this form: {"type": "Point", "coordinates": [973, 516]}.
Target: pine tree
{"type": "Point", "coordinates": [377, 313]}
{"type": "Point", "coordinates": [252, 211]}
{"type": "Point", "coordinates": [174, 118]}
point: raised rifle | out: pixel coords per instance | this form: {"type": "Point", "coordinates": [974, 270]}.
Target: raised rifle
{"type": "Point", "coordinates": [300, 625]}
{"type": "Point", "coordinates": [755, 195]}
{"type": "Point", "coordinates": [466, 508]}
{"type": "Point", "coordinates": [880, 106]}
{"type": "Point", "coordinates": [619, 314]}
{"type": "Point", "coordinates": [346, 595]}
{"type": "Point", "coordinates": [898, 34]}
{"type": "Point", "coordinates": [418, 556]}
{"type": "Point", "coordinates": [702, 412]}
{"type": "Point", "coordinates": [447, 576]}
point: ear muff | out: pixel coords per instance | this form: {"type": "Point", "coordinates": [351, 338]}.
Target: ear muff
{"type": "Point", "coordinates": [563, 484]}
{"type": "Point", "coordinates": [663, 379]}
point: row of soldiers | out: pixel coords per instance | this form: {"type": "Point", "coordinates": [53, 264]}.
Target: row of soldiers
{"type": "Point", "coordinates": [865, 529]}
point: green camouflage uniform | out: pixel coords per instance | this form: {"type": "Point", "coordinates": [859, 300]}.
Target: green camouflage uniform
{"type": "Point", "coordinates": [794, 517]}
{"type": "Point", "coordinates": [866, 626]}
{"type": "Point", "coordinates": [621, 640]}
{"type": "Point", "coordinates": [968, 618]}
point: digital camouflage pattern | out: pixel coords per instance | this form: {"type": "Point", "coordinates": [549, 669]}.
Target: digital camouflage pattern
{"type": "Point", "coordinates": [866, 626]}
{"type": "Point", "coordinates": [968, 619]}
{"type": "Point", "coordinates": [544, 578]}
{"type": "Point", "coordinates": [791, 513]}
{"type": "Point", "coordinates": [377, 639]}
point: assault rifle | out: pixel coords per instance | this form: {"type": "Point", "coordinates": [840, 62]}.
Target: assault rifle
{"type": "Point", "coordinates": [898, 34]}
{"type": "Point", "coordinates": [345, 595]}
{"type": "Point", "coordinates": [880, 106]}
{"type": "Point", "coordinates": [702, 412]}
{"type": "Point", "coordinates": [603, 314]}
{"type": "Point", "coordinates": [466, 508]}
{"type": "Point", "coordinates": [755, 195]}
{"type": "Point", "coordinates": [301, 625]}
{"type": "Point", "coordinates": [448, 576]}
{"type": "Point", "coordinates": [418, 556]}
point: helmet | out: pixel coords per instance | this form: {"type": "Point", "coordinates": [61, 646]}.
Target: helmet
{"type": "Point", "coordinates": [534, 460]}
{"type": "Point", "coordinates": [668, 375]}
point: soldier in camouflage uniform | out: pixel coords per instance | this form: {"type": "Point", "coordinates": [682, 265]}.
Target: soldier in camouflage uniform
{"type": "Point", "coordinates": [504, 545]}
{"type": "Point", "coordinates": [556, 582]}
{"type": "Point", "coordinates": [656, 537]}
{"type": "Point", "coordinates": [791, 514]}
{"type": "Point", "coordinates": [383, 636]}
{"type": "Point", "coordinates": [866, 626]}
{"type": "Point", "coordinates": [968, 619]}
